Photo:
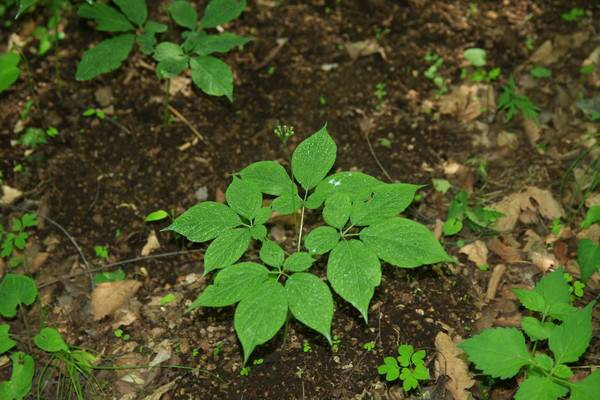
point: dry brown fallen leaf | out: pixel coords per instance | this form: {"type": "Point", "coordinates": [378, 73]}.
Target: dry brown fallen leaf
{"type": "Point", "coordinates": [508, 253]}
{"type": "Point", "coordinates": [494, 281]}
{"type": "Point", "coordinates": [108, 297]}
{"type": "Point", "coordinates": [449, 362]}
{"type": "Point", "coordinates": [151, 244]}
{"type": "Point", "coordinates": [524, 206]}
{"type": "Point", "coordinates": [158, 393]}
{"type": "Point", "coordinates": [466, 102]}
{"type": "Point", "coordinates": [9, 195]}
{"type": "Point", "coordinates": [476, 252]}
{"type": "Point", "coordinates": [364, 48]}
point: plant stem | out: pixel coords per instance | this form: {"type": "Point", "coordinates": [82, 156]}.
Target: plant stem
{"type": "Point", "coordinates": [166, 101]}
{"type": "Point", "coordinates": [301, 221]}
{"type": "Point", "coordinates": [286, 149]}
{"type": "Point", "coordinates": [286, 328]}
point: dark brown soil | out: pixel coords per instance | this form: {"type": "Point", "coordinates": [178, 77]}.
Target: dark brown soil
{"type": "Point", "coordinates": [98, 177]}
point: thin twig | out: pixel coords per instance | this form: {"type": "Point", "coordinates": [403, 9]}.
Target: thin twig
{"type": "Point", "coordinates": [186, 122]}
{"type": "Point", "coordinates": [119, 263]}
{"type": "Point", "coordinates": [372, 151]}
{"type": "Point", "coordinates": [118, 125]}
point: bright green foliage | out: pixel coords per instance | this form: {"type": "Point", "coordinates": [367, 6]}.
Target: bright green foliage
{"type": "Point", "coordinates": [6, 343]}
{"type": "Point", "coordinates": [101, 252]}
{"type": "Point", "coordinates": [109, 276]}
{"type": "Point", "coordinates": [408, 366]}
{"type": "Point", "coordinates": [477, 217]}
{"type": "Point", "coordinates": [16, 290]}
{"type": "Point", "coordinates": [441, 185]}
{"type": "Point", "coordinates": [9, 70]}
{"type": "Point", "coordinates": [211, 75]}
{"type": "Point", "coordinates": [362, 228]}
{"type": "Point", "coordinates": [540, 72]}
{"type": "Point", "coordinates": [19, 384]}
{"type": "Point", "coordinates": [512, 103]}
{"type": "Point", "coordinates": [475, 56]}
{"type": "Point", "coordinates": [588, 258]}
{"type": "Point", "coordinates": [503, 352]}
{"type": "Point", "coordinates": [16, 238]}
{"type": "Point", "coordinates": [432, 73]}
{"type": "Point", "coordinates": [157, 215]}
{"type": "Point", "coordinates": [50, 341]}
{"type": "Point", "coordinates": [591, 217]}
{"type": "Point", "coordinates": [132, 25]}
{"type": "Point", "coordinates": [573, 14]}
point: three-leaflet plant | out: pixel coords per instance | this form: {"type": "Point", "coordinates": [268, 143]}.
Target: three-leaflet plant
{"type": "Point", "coordinates": [362, 228]}
{"type": "Point", "coordinates": [503, 352]}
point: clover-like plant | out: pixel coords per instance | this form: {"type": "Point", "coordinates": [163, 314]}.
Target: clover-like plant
{"type": "Point", "coordinates": [16, 238]}
{"type": "Point", "coordinates": [503, 352]}
{"type": "Point", "coordinates": [132, 25]}
{"type": "Point", "coordinates": [209, 74]}
{"type": "Point", "coordinates": [362, 228]}
{"type": "Point", "coordinates": [408, 366]}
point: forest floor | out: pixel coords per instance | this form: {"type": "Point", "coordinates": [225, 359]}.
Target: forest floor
{"type": "Point", "coordinates": [359, 67]}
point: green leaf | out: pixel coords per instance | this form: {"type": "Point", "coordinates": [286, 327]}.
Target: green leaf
{"type": "Point", "coordinates": [356, 185]}
{"type": "Point", "coordinates": [310, 302]}
{"type": "Point", "coordinates": [354, 272]}
{"type": "Point", "coordinates": [421, 372]}
{"type": "Point", "coordinates": [540, 388]}
{"type": "Point", "coordinates": [498, 352]}
{"type": "Point", "coordinates": [107, 18]}
{"type": "Point", "coordinates": [23, 6]}
{"type": "Point", "coordinates": [29, 220]}
{"type": "Point", "coordinates": [263, 215]}
{"type": "Point", "coordinates": [6, 343]}
{"type": "Point", "coordinates": [389, 368]}
{"type": "Point", "coordinates": [570, 339]}
{"type": "Point", "coordinates": [19, 385]}
{"type": "Point", "coordinates": [50, 341]}
{"type": "Point", "coordinates": [313, 158]}
{"type": "Point", "coordinates": [205, 221]}
{"type": "Point", "coordinates": [297, 262]}
{"type": "Point", "coordinates": [212, 76]}
{"type": "Point", "coordinates": [286, 205]}
{"type": "Point", "coordinates": [244, 198]}
{"type": "Point", "coordinates": [258, 232]}
{"type": "Point", "coordinates": [586, 389]}
{"type": "Point", "coordinates": [591, 217]}
{"type": "Point", "coordinates": [147, 40]}
{"type": "Point", "coordinates": [405, 351]}
{"type": "Point", "coordinates": [219, 12]}
{"type": "Point", "coordinates": [588, 258]}
{"type": "Point", "coordinates": [452, 226]}
{"type": "Point", "coordinates": [231, 285]}
{"type": "Point", "coordinates": [16, 290]}
{"type": "Point", "coordinates": [403, 243]}
{"type": "Point", "coordinates": [167, 298]}
{"type": "Point", "coordinates": [546, 363]}
{"type": "Point", "coordinates": [321, 240]}
{"type": "Point", "coordinates": [271, 253]}
{"type": "Point", "coordinates": [475, 56]}
{"type": "Point", "coordinates": [106, 56]}
{"type": "Point", "coordinates": [183, 13]}
{"type": "Point", "coordinates": [549, 295]}
{"type": "Point", "coordinates": [337, 210]}
{"type": "Point", "coordinates": [226, 249]}
{"type": "Point", "coordinates": [9, 70]}
{"type": "Point", "coordinates": [114, 276]}
{"type": "Point", "coordinates": [409, 381]}
{"type": "Point", "coordinates": [270, 178]}
{"type": "Point", "coordinates": [540, 72]}
{"type": "Point", "coordinates": [458, 206]}
{"type": "Point", "coordinates": [388, 200]}
{"type": "Point", "coordinates": [204, 45]}
{"type": "Point", "coordinates": [135, 10]}
{"type": "Point", "coordinates": [157, 215]}
{"type": "Point", "coordinates": [259, 316]}
{"type": "Point", "coordinates": [418, 358]}
{"type": "Point", "coordinates": [562, 371]}
{"type": "Point", "coordinates": [441, 185]}
{"type": "Point", "coordinates": [171, 59]}
{"type": "Point", "coordinates": [536, 329]}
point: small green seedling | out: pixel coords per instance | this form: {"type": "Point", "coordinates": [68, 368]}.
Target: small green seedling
{"type": "Point", "coordinates": [503, 352]}
{"type": "Point", "coordinates": [35, 137]}
{"type": "Point", "coordinates": [335, 343]}
{"type": "Point", "coordinates": [119, 333]}
{"type": "Point", "coordinates": [109, 276]}
{"type": "Point", "coordinates": [432, 73]}
{"type": "Point", "coordinates": [408, 366]}
{"type": "Point", "coordinates": [157, 215]}
{"type": "Point", "coordinates": [218, 349]}
{"type": "Point", "coordinates": [306, 347]}
{"type": "Point", "coordinates": [574, 14]}
{"type": "Point", "coordinates": [541, 72]}
{"type": "Point", "coordinates": [167, 298]}
{"type": "Point", "coordinates": [362, 228]}
{"type": "Point", "coordinates": [245, 371]}
{"type": "Point", "coordinates": [131, 25]}
{"type": "Point", "coordinates": [441, 185]}
{"type": "Point", "coordinates": [556, 227]}
{"type": "Point", "coordinates": [94, 112]}
{"type": "Point", "coordinates": [101, 252]}
{"type": "Point", "coordinates": [380, 92]}
{"type": "Point", "coordinates": [16, 238]}
{"type": "Point", "coordinates": [575, 287]}
{"type": "Point", "coordinates": [258, 361]}
{"type": "Point", "coordinates": [195, 53]}
{"type": "Point", "coordinates": [369, 346]}
{"type": "Point", "coordinates": [385, 142]}
{"type": "Point", "coordinates": [477, 58]}
{"type": "Point", "coordinates": [9, 70]}
{"type": "Point", "coordinates": [512, 103]}
{"type": "Point", "coordinates": [478, 217]}
{"type": "Point", "coordinates": [587, 69]}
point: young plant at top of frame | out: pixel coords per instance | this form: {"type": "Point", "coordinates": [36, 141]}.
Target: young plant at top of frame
{"type": "Point", "coordinates": [362, 228]}
{"type": "Point", "coordinates": [209, 74]}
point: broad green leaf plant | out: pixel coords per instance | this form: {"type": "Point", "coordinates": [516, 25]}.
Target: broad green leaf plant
{"type": "Point", "coordinates": [504, 353]}
{"type": "Point", "coordinates": [9, 70]}
{"type": "Point", "coordinates": [195, 53]}
{"type": "Point", "coordinates": [408, 366]}
{"type": "Point", "coordinates": [362, 228]}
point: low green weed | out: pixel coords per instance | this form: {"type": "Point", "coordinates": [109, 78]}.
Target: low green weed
{"type": "Point", "coordinates": [512, 103]}
{"type": "Point", "coordinates": [477, 217]}
{"type": "Point", "coordinates": [477, 58]}
{"type": "Point", "coordinates": [9, 70]}
{"type": "Point", "coordinates": [408, 367]}
{"type": "Point", "coordinates": [32, 138]}
{"type": "Point", "coordinates": [157, 215]}
{"type": "Point", "coordinates": [504, 353]}
{"type": "Point", "coordinates": [101, 252]}
{"type": "Point", "coordinates": [574, 14]}
{"type": "Point", "coordinates": [540, 72]}
{"type": "Point", "coordinates": [94, 112]}
{"type": "Point", "coordinates": [16, 238]}
{"type": "Point", "coordinates": [361, 230]}
{"type": "Point", "coordinates": [432, 73]}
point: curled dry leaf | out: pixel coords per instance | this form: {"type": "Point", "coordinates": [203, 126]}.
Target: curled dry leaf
{"type": "Point", "coordinates": [476, 252]}
{"type": "Point", "coordinates": [450, 362]}
{"type": "Point", "coordinates": [364, 48]}
{"type": "Point", "coordinates": [466, 102]}
{"type": "Point", "coordinates": [151, 244]}
{"type": "Point", "coordinates": [508, 253]}
{"type": "Point", "coordinates": [108, 297]}
{"type": "Point", "coordinates": [9, 195]}
{"type": "Point", "coordinates": [494, 281]}
{"type": "Point", "coordinates": [525, 205]}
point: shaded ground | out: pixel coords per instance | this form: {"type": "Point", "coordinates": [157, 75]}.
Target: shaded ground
{"type": "Point", "coordinates": [98, 177]}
